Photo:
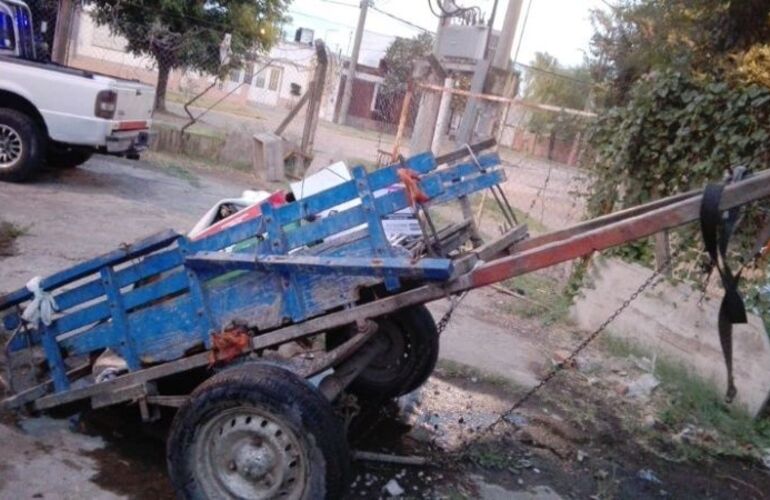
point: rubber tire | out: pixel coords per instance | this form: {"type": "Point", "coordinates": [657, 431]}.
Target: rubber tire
{"type": "Point", "coordinates": [418, 327]}
{"type": "Point", "coordinates": [67, 158]}
{"type": "Point", "coordinates": [33, 145]}
{"type": "Point", "coordinates": [282, 392]}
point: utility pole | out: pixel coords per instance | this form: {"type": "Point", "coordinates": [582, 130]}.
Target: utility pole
{"type": "Point", "coordinates": [425, 125]}
{"type": "Point", "coordinates": [490, 78]}
{"type": "Point", "coordinates": [347, 94]}
{"type": "Point", "coordinates": [64, 19]}
{"type": "Point", "coordinates": [507, 35]}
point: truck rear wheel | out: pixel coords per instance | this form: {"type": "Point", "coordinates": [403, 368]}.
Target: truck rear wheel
{"type": "Point", "coordinates": [409, 360]}
{"type": "Point", "coordinates": [62, 157]}
{"type": "Point", "coordinates": [257, 431]}
{"type": "Point", "coordinates": [22, 145]}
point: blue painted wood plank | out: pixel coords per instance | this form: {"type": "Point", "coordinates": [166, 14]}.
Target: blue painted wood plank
{"type": "Point", "coordinates": [198, 295]}
{"type": "Point", "coordinates": [150, 265]}
{"type": "Point", "coordinates": [478, 183]}
{"type": "Point", "coordinates": [379, 242]}
{"type": "Point", "coordinates": [120, 324]}
{"type": "Point", "coordinates": [54, 359]}
{"type": "Point", "coordinates": [82, 270]}
{"type": "Point", "coordinates": [293, 306]}
{"type": "Point", "coordinates": [246, 304]}
{"type": "Point", "coordinates": [428, 268]}
{"type": "Point", "coordinates": [379, 179]}
{"type": "Point", "coordinates": [457, 172]}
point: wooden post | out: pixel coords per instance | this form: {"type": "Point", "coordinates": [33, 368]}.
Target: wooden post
{"type": "Point", "coordinates": [442, 122]}
{"type": "Point", "coordinates": [347, 93]}
{"type": "Point", "coordinates": [61, 38]}
{"type": "Point", "coordinates": [662, 252]}
{"type": "Point", "coordinates": [316, 96]}
{"type": "Point", "coordinates": [430, 100]}
{"type": "Point", "coordinates": [402, 121]}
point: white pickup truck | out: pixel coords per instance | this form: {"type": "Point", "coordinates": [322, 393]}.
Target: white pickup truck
{"type": "Point", "coordinates": [59, 115]}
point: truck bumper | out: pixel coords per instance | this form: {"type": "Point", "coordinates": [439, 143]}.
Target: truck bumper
{"type": "Point", "coordinates": [127, 143]}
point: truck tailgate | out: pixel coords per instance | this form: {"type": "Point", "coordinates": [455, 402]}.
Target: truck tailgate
{"type": "Point", "coordinates": [135, 101]}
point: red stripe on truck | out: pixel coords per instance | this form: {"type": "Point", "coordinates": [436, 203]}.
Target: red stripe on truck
{"type": "Point", "coordinates": [128, 126]}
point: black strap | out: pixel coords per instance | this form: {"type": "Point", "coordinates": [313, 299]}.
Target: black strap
{"type": "Point", "coordinates": [717, 227]}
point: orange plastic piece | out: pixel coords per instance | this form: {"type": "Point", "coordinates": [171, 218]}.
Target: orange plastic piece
{"type": "Point", "coordinates": [229, 344]}
{"type": "Point", "coordinates": [410, 179]}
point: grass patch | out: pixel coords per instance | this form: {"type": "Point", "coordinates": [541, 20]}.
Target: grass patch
{"type": "Point", "coordinates": [176, 122]}
{"type": "Point", "coordinates": [226, 106]}
{"type": "Point", "coordinates": [180, 165]}
{"type": "Point", "coordinates": [694, 401]}
{"type": "Point", "coordinates": [453, 369]}
{"type": "Point", "coordinates": [620, 348]}
{"type": "Point", "coordinates": [492, 210]}
{"type": "Point", "coordinates": [173, 165]}
{"type": "Point", "coordinates": [9, 232]}
{"type": "Point", "coordinates": [547, 299]}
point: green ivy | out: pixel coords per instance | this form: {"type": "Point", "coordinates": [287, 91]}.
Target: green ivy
{"type": "Point", "coordinates": [678, 131]}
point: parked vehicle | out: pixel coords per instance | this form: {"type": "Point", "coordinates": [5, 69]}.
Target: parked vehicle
{"type": "Point", "coordinates": [37, 125]}
{"type": "Point", "coordinates": [253, 331]}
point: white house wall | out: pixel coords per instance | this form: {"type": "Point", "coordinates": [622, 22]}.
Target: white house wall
{"type": "Point", "coordinates": [98, 42]}
{"type": "Point", "coordinates": [296, 62]}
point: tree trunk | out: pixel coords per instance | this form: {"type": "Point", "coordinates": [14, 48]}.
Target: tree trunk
{"type": "Point", "coordinates": [160, 90]}
{"type": "Point", "coordinates": [551, 145]}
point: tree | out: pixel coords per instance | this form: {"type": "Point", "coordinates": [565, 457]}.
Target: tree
{"type": "Point", "coordinates": [188, 34]}
{"type": "Point", "coordinates": [548, 82]}
{"type": "Point", "coordinates": [638, 36]}
{"type": "Point", "coordinates": [685, 84]}
{"type": "Point", "coordinates": [399, 60]}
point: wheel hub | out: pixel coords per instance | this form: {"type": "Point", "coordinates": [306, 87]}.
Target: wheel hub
{"type": "Point", "coordinates": [10, 146]}
{"type": "Point", "coordinates": [248, 453]}
{"type": "Point", "coordinates": [254, 461]}
{"type": "Point", "coordinates": [389, 364]}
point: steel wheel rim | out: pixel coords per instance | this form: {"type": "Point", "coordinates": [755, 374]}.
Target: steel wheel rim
{"type": "Point", "coordinates": [249, 453]}
{"type": "Point", "coordinates": [11, 146]}
{"type": "Point", "coordinates": [389, 365]}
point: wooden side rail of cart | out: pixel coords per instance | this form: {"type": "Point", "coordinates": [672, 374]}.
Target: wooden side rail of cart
{"type": "Point", "coordinates": [161, 299]}
{"type": "Point", "coordinates": [507, 257]}
{"type": "Point", "coordinates": [349, 303]}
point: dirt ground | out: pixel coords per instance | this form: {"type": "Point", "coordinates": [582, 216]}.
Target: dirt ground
{"type": "Point", "coordinates": [578, 438]}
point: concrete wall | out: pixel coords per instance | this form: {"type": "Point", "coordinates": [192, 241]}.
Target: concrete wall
{"type": "Point", "coordinates": [670, 321]}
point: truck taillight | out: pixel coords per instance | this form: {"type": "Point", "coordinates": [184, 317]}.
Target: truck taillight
{"type": "Point", "coordinates": [106, 104]}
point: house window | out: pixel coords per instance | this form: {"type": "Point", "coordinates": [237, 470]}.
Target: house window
{"type": "Point", "coordinates": [275, 78]}
{"type": "Point", "coordinates": [236, 75]}
{"type": "Point", "coordinates": [7, 35]}
{"type": "Point", "coordinates": [259, 79]}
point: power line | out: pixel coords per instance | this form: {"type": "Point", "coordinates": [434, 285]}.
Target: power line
{"type": "Point", "coordinates": [523, 28]}
{"type": "Point", "coordinates": [337, 23]}
{"type": "Point", "coordinates": [341, 3]}
{"type": "Point", "coordinates": [553, 73]}
{"type": "Point", "coordinates": [401, 19]}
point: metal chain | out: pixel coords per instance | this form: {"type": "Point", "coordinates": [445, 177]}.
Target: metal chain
{"type": "Point", "coordinates": [568, 361]}
{"type": "Point", "coordinates": [444, 321]}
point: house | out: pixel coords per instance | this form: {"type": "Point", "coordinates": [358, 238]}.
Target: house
{"type": "Point", "coordinates": [370, 108]}
{"type": "Point", "coordinates": [276, 80]}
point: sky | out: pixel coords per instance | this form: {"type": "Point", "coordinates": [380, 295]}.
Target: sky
{"type": "Point", "coordinates": [559, 27]}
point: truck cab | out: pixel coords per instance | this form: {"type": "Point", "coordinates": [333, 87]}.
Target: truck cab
{"type": "Point", "coordinates": [101, 114]}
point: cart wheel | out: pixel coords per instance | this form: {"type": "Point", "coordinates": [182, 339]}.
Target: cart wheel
{"type": "Point", "coordinates": [409, 360]}
{"type": "Point", "coordinates": [257, 432]}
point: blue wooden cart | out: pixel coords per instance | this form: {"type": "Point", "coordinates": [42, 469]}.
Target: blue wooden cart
{"type": "Point", "coordinates": [253, 333]}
